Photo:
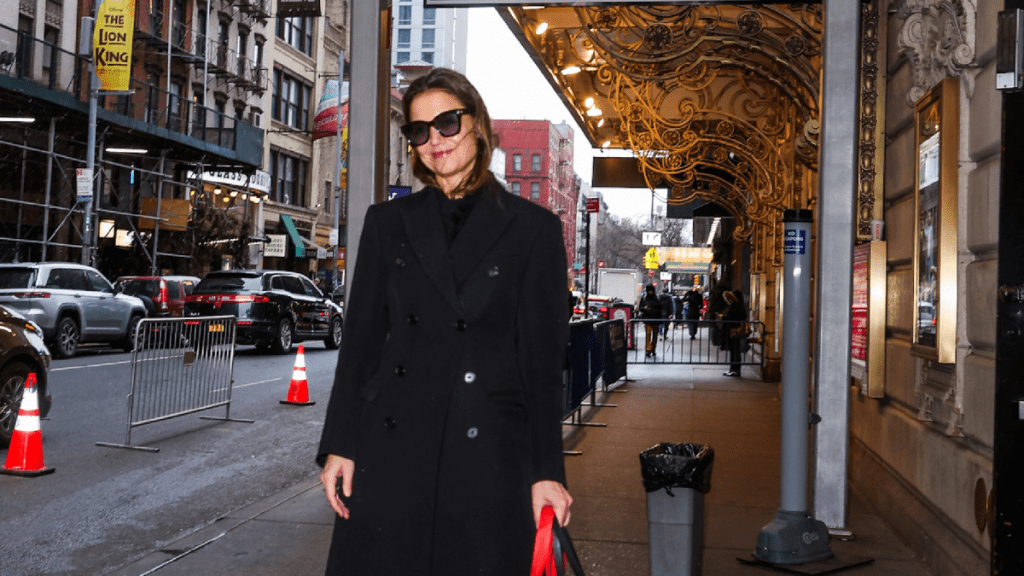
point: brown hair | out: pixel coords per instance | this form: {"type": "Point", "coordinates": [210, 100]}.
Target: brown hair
{"type": "Point", "coordinates": [458, 86]}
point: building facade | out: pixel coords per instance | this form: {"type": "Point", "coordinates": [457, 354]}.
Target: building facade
{"type": "Point", "coordinates": [539, 167]}
{"type": "Point", "coordinates": [433, 36]}
{"type": "Point", "coordinates": [176, 184]}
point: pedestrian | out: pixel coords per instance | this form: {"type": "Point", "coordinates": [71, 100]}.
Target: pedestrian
{"type": "Point", "coordinates": [667, 310]}
{"type": "Point", "coordinates": [694, 302]}
{"type": "Point", "coordinates": [735, 329]}
{"type": "Point", "coordinates": [443, 439]}
{"type": "Point", "coordinates": [650, 309]}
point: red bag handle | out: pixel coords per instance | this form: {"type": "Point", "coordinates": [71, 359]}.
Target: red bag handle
{"type": "Point", "coordinates": [543, 546]}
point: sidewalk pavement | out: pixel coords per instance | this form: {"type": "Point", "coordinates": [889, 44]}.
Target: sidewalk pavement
{"type": "Point", "coordinates": [289, 533]}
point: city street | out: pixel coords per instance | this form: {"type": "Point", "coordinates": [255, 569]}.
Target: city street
{"type": "Point", "coordinates": [104, 507]}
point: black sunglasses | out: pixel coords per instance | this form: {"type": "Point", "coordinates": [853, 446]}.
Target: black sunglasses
{"type": "Point", "coordinates": [447, 124]}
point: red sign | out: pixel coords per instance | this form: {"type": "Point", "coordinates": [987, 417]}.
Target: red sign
{"type": "Point", "coordinates": [600, 263]}
{"type": "Point", "coordinates": [593, 205]}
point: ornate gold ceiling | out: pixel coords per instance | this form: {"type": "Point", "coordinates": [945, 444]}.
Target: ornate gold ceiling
{"type": "Point", "coordinates": [718, 103]}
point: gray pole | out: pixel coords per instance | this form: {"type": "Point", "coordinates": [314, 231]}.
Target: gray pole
{"type": "Point", "coordinates": [794, 536]}
{"type": "Point", "coordinates": [367, 111]}
{"type": "Point", "coordinates": [90, 165]}
{"type": "Point", "coordinates": [49, 185]}
{"type": "Point", "coordinates": [337, 170]}
{"type": "Point", "coordinates": [837, 189]}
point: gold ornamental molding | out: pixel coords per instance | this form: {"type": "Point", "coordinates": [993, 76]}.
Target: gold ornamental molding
{"type": "Point", "coordinates": [871, 149]}
{"type": "Point", "coordinates": [938, 37]}
{"type": "Point", "coordinates": [718, 103]}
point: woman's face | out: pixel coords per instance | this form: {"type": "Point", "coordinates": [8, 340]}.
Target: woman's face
{"type": "Point", "coordinates": [450, 158]}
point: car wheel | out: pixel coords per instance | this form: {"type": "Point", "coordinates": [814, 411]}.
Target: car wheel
{"type": "Point", "coordinates": [130, 336]}
{"type": "Point", "coordinates": [12, 388]}
{"type": "Point", "coordinates": [65, 343]}
{"type": "Point", "coordinates": [333, 339]}
{"type": "Point", "coordinates": [282, 343]}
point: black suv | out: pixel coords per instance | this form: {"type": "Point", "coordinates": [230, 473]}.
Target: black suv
{"type": "Point", "coordinates": [274, 308]}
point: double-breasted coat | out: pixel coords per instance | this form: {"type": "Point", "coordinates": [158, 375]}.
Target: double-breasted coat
{"type": "Point", "coordinates": [448, 391]}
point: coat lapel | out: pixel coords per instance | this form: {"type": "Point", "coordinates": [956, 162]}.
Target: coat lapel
{"type": "Point", "coordinates": [485, 224]}
{"type": "Point", "coordinates": [426, 237]}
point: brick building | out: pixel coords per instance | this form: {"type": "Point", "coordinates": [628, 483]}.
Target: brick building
{"type": "Point", "coordinates": [539, 166]}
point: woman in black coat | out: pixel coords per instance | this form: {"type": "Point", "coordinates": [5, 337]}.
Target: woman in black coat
{"type": "Point", "coordinates": [443, 436]}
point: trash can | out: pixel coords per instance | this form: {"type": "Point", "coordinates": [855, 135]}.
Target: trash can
{"type": "Point", "coordinates": [676, 477]}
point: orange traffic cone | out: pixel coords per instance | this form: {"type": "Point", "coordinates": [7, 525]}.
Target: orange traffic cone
{"type": "Point", "coordinates": [298, 393]}
{"type": "Point", "coordinates": [25, 456]}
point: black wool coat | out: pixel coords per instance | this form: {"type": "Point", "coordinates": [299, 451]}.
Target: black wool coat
{"type": "Point", "coordinates": [448, 391]}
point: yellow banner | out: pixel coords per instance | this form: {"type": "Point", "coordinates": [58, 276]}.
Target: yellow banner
{"type": "Point", "coordinates": [112, 43]}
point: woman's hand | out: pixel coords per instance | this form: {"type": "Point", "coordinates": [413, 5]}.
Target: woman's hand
{"type": "Point", "coordinates": [551, 493]}
{"type": "Point", "coordinates": [337, 467]}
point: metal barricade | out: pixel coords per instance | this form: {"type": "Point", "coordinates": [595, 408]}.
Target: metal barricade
{"type": "Point", "coordinates": [180, 366]}
{"type": "Point", "coordinates": [705, 342]}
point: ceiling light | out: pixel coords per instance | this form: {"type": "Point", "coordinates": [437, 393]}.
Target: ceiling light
{"type": "Point", "coordinates": [541, 28]}
{"type": "Point", "coordinates": [17, 119]}
{"type": "Point", "coordinates": [606, 144]}
{"type": "Point", "coordinates": [601, 123]}
{"type": "Point", "coordinates": [234, 193]}
{"type": "Point", "coordinates": [216, 190]}
{"type": "Point", "coordinates": [589, 102]}
{"type": "Point", "coordinates": [569, 71]}
{"type": "Point", "coordinates": [594, 112]}
{"type": "Point", "coordinates": [714, 229]}
{"type": "Point", "coordinates": [254, 199]}
{"type": "Point", "coordinates": [127, 151]}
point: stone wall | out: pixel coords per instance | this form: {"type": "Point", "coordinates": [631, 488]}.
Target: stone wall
{"type": "Point", "coordinates": [920, 453]}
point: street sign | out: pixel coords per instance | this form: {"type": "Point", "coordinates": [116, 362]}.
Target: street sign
{"type": "Point", "coordinates": [651, 258]}
{"type": "Point", "coordinates": [652, 238]}
{"type": "Point", "coordinates": [593, 205]}
{"type": "Point", "coordinates": [332, 237]}
{"type": "Point", "coordinates": [83, 184]}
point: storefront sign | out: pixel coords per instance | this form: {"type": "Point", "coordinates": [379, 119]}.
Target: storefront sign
{"type": "Point", "coordinates": [259, 182]}
{"type": "Point", "coordinates": [276, 246]}
{"type": "Point", "coordinates": [112, 44]}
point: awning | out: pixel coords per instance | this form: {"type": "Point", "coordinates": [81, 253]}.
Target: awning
{"type": "Point", "coordinates": [297, 241]}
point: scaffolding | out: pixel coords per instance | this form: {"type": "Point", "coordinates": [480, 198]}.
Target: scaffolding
{"type": "Point", "coordinates": [146, 204]}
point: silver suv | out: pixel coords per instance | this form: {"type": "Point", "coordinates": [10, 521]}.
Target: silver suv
{"type": "Point", "coordinates": [72, 303]}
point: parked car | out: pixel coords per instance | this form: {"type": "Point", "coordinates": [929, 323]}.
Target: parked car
{"type": "Point", "coordinates": [274, 308]}
{"type": "Point", "coordinates": [162, 295]}
{"type": "Point", "coordinates": [72, 303]}
{"type": "Point", "coordinates": [22, 351]}
{"type": "Point", "coordinates": [598, 307]}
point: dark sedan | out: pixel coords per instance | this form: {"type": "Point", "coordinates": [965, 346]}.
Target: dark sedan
{"type": "Point", "coordinates": [274, 308]}
{"type": "Point", "coordinates": [21, 352]}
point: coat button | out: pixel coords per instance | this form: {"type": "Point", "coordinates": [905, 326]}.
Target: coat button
{"type": "Point", "coordinates": [460, 325]}
{"type": "Point", "coordinates": [399, 262]}
{"type": "Point", "coordinates": [389, 423]}
{"type": "Point", "coordinates": [413, 319]}
{"type": "Point", "coordinates": [469, 377]}
{"type": "Point", "coordinates": [472, 432]}
{"type": "Point", "coordinates": [400, 370]}
{"type": "Point", "coordinates": [493, 272]}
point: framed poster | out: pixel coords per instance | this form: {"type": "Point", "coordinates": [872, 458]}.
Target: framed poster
{"type": "Point", "coordinates": [936, 125]}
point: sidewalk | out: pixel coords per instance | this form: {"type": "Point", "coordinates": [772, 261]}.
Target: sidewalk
{"type": "Point", "coordinates": [289, 534]}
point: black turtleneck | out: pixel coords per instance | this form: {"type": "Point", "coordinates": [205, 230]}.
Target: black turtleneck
{"type": "Point", "coordinates": [454, 213]}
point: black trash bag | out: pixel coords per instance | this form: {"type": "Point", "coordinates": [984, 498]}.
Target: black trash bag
{"type": "Point", "coordinates": [670, 466]}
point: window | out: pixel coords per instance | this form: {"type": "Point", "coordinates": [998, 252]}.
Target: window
{"type": "Point", "coordinates": [243, 42]}
{"type": "Point", "coordinates": [174, 107]}
{"type": "Point", "coordinates": [428, 57]}
{"type": "Point", "coordinates": [402, 57]}
{"type": "Point", "coordinates": [51, 37]}
{"type": "Point", "coordinates": [534, 190]}
{"type": "Point", "coordinates": [429, 16]}
{"type": "Point", "coordinates": [288, 178]}
{"type": "Point", "coordinates": [516, 188]}
{"type": "Point", "coordinates": [67, 279]}
{"type": "Point", "coordinates": [517, 162]}
{"type": "Point", "coordinates": [290, 103]}
{"type": "Point", "coordinates": [98, 282]}
{"type": "Point", "coordinates": [404, 38]}
{"type": "Point", "coordinates": [201, 35]}
{"type": "Point", "coordinates": [535, 163]}
{"type": "Point", "coordinates": [428, 38]}
{"type": "Point", "coordinates": [405, 15]}
{"type": "Point", "coordinates": [297, 32]}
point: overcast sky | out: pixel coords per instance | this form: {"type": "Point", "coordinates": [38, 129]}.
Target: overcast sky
{"type": "Point", "coordinates": [514, 89]}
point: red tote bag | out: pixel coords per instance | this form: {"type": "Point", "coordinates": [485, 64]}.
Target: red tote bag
{"type": "Point", "coordinates": [552, 548]}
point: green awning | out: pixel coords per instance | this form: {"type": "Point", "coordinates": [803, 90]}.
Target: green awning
{"type": "Point", "coordinates": [300, 246]}
{"type": "Point", "coordinates": [687, 267]}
